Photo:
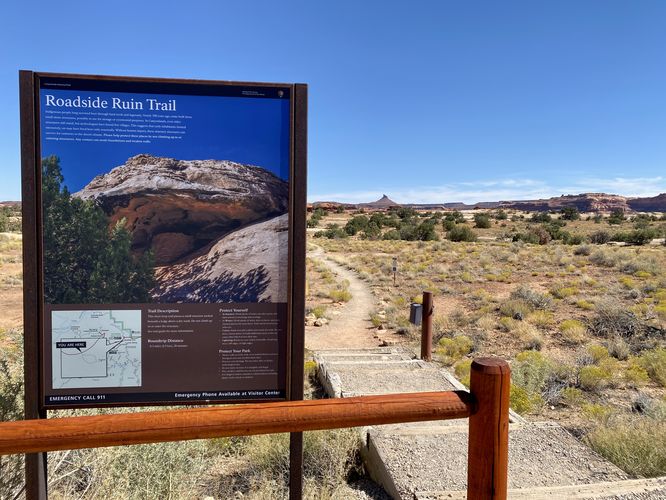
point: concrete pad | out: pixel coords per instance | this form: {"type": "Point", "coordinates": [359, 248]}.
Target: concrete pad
{"type": "Point", "coordinates": [540, 455]}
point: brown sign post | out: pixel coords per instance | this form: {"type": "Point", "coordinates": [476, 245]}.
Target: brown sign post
{"type": "Point", "coordinates": [164, 244]}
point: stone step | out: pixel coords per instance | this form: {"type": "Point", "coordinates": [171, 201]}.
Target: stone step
{"type": "Point", "coordinates": [629, 489]}
{"type": "Point", "coordinates": [432, 460]}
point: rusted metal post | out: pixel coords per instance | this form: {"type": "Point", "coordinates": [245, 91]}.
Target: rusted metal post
{"type": "Point", "coordinates": [488, 449]}
{"type": "Point", "coordinates": [426, 327]}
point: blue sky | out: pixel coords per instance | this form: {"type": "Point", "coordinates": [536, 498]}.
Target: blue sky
{"type": "Point", "coordinates": [252, 131]}
{"type": "Point", "coordinates": [425, 101]}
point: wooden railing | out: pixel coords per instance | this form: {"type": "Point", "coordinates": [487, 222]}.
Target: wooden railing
{"type": "Point", "coordinates": [486, 405]}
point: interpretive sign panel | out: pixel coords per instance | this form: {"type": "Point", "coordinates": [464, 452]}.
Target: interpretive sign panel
{"type": "Point", "coordinates": [164, 239]}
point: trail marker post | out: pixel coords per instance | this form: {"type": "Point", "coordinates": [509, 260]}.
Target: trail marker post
{"type": "Point", "coordinates": [426, 327]}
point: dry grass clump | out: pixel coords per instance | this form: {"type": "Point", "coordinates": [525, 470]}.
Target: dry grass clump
{"type": "Point", "coordinates": [541, 319]}
{"type": "Point", "coordinates": [515, 308]}
{"type": "Point", "coordinates": [573, 331]}
{"type": "Point", "coordinates": [162, 470]}
{"type": "Point", "coordinates": [636, 445]}
{"type": "Point", "coordinates": [562, 291]}
{"type": "Point", "coordinates": [262, 466]}
{"type": "Point", "coordinates": [486, 323]}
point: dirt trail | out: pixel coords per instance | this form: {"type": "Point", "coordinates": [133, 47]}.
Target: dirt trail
{"type": "Point", "coordinates": [352, 327]}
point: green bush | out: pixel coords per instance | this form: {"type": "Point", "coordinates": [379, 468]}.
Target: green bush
{"type": "Point", "coordinates": [461, 233]}
{"type": "Point", "coordinates": [570, 213]}
{"type": "Point", "coordinates": [600, 237]}
{"type": "Point", "coordinates": [454, 348]}
{"type": "Point", "coordinates": [463, 371]}
{"type": "Point", "coordinates": [482, 220]}
{"type": "Point", "coordinates": [654, 363]}
{"type": "Point", "coordinates": [523, 401]}
{"type": "Point", "coordinates": [593, 378]}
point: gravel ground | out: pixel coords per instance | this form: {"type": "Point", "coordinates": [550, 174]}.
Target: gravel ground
{"type": "Point", "coordinates": [540, 455]}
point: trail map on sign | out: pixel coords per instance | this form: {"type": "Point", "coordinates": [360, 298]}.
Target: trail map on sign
{"type": "Point", "coordinates": [96, 348]}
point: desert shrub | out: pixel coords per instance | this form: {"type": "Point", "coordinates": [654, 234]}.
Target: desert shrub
{"type": "Point", "coordinates": [561, 291]}
{"type": "Point", "coordinates": [482, 221]}
{"type": "Point", "coordinates": [529, 335]}
{"type": "Point", "coordinates": [647, 265]}
{"type": "Point", "coordinates": [393, 234]}
{"type": "Point", "coordinates": [612, 320]}
{"type": "Point", "coordinates": [642, 236]}
{"type": "Point", "coordinates": [573, 330]}
{"type": "Point", "coordinates": [637, 446]}
{"type": "Point", "coordinates": [618, 348]}
{"type": "Point", "coordinates": [161, 470]}
{"type": "Point", "coordinates": [570, 213]}
{"type": "Point", "coordinates": [356, 224]}
{"type": "Point", "coordinates": [462, 370]}
{"type": "Point", "coordinates": [332, 232]}
{"type": "Point", "coordinates": [486, 323]}
{"type": "Point", "coordinates": [654, 363]}
{"type": "Point", "coordinates": [455, 216]}
{"type": "Point", "coordinates": [426, 231]}
{"type": "Point", "coordinates": [534, 299]}
{"type": "Point", "coordinates": [319, 311]}
{"type": "Point", "coordinates": [501, 215]}
{"type": "Point", "coordinates": [593, 378]}
{"type": "Point", "coordinates": [530, 371]}
{"type": "Point", "coordinates": [635, 375]}
{"type": "Point", "coordinates": [523, 401]}
{"type": "Point", "coordinates": [328, 460]}
{"type": "Point", "coordinates": [11, 408]}
{"type": "Point", "coordinates": [616, 217]}
{"type": "Point", "coordinates": [597, 412]}
{"type": "Point", "coordinates": [535, 235]}
{"type": "Point", "coordinates": [597, 352]}
{"type": "Point", "coordinates": [584, 304]}
{"type": "Point", "coordinates": [541, 217]}
{"type": "Point", "coordinates": [571, 396]}
{"type": "Point", "coordinates": [600, 237]}
{"type": "Point", "coordinates": [461, 233]}
{"type": "Point", "coordinates": [454, 348]}
{"type": "Point", "coordinates": [340, 294]}
{"type": "Point", "coordinates": [515, 308]}
{"type": "Point", "coordinates": [508, 324]}
{"type": "Point", "coordinates": [542, 319]}
{"type": "Point", "coordinates": [605, 258]}
{"type": "Point", "coordinates": [583, 250]}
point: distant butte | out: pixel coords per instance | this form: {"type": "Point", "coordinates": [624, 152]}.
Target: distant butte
{"type": "Point", "coordinates": [585, 202]}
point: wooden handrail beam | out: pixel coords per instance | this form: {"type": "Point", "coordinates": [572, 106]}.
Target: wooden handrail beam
{"type": "Point", "coordinates": [29, 436]}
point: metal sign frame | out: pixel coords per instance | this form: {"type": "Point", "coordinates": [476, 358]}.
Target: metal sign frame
{"type": "Point", "coordinates": [29, 86]}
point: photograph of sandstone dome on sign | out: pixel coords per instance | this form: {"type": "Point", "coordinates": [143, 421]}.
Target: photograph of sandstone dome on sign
{"type": "Point", "coordinates": [217, 229]}
{"type": "Point", "coordinates": [164, 230]}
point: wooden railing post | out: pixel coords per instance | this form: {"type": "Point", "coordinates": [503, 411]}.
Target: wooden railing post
{"type": "Point", "coordinates": [488, 449]}
{"type": "Point", "coordinates": [426, 327]}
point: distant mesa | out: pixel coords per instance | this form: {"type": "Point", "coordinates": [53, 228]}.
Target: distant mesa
{"type": "Point", "coordinates": [585, 202]}
{"type": "Point", "coordinates": [178, 207]}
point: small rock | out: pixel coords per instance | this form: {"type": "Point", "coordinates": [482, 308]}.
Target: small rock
{"type": "Point", "coordinates": [321, 322]}
{"type": "Point", "coordinates": [381, 327]}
